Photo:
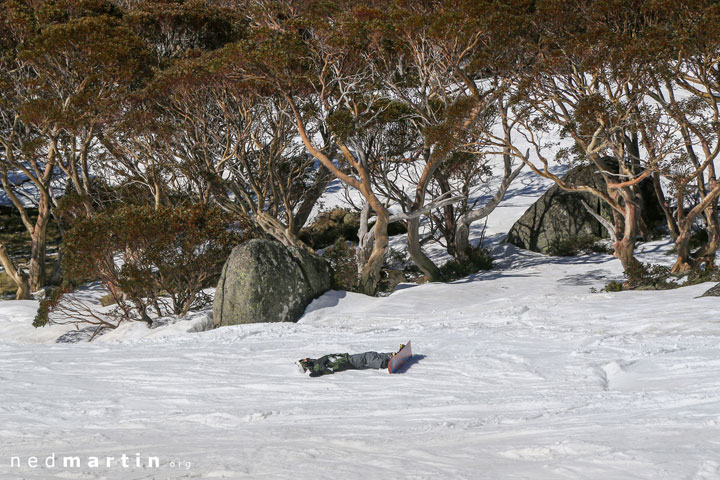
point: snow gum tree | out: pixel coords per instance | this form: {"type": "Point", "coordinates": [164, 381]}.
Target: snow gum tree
{"type": "Point", "coordinates": [589, 82]}
{"type": "Point", "coordinates": [686, 87]}
{"type": "Point", "coordinates": [174, 28]}
{"type": "Point", "coordinates": [428, 65]}
{"type": "Point", "coordinates": [483, 71]}
{"type": "Point", "coordinates": [257, 106]}
{"type": "Point", "coordinates": [141, 142]}
{"type": "Point", "coordinates": [71, 61]}
{"type": "Point", "coordinates": [318, 69]}
{"type": "Point", "coordinates": [238, 146]}
{"type": "Point", "coordinates": [16, 25]}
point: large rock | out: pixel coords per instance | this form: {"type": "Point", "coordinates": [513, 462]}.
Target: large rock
{"type": "Point", "coordinates": [713, 292]}
{"type": "Point", "coordinates": [264, 281]}
{"type": "Point", "coordinates": [559, 216]}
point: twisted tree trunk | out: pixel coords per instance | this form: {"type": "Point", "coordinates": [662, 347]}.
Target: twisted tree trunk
{"type": "Point", "coordinates": [370, 271]}
{"type": "Point", "coordinates": [38, 250]}
{"type": "Point", "coordinates": [625, 245]}
{"type": "Point", "coordinates": [19, 277]}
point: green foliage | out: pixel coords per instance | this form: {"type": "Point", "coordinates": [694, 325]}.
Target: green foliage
{"type": "Point", "coordinates": [345, 269]}
{"type": "Point", "coordinates": [659, 277]}
{"type": "Point", "coordinates": [176, 29]}
{"type": "Point", "coordinates": [49, 303]}
{"type": "Point", "coordinates": [15, 236]}
{"type": "Point", "coordinates": [699, 238]}
{"type": "Point", "coordinates": [645, 276]}
{"type": "Point", "coordinates": [390, 279]}
{"type": "Point", "coordinates": [696, 277]}
{"type": "Point", "coordinates": [338, 223]}
{"type": "Point", "coordinates": [567, 247]}
{"type": "Point", "coordinates": [397, 77]}
{"type": "Point", "coordinates": [16, 25]}
{"type": "Point", "coordinates": [395, 228]}
{"type": "Point", "coordinates": [479, 259]}
{"type": "Point", "coordinates": [331, 226]}
{"type": "Point", "coordinates": [84, 67]}
{"type": "Point", "coordinates": [147, 255]}
{"type": "Point", "coordinates": [71, 207]}
{"type": "Point", "coordinates": [342, 124]}
{"type": "Point", "coordinates": [613, 286]}
{"type": "Point", "coordinates": [653, 277]}
{"type": "Point", "coordinates": [587, 112]}
{"type": "Point", "coordinates": [445, 134]}
{"type": "Point", "coordinates": [61, 11]}
{"type": "Point", "coordinates": [396, 268]}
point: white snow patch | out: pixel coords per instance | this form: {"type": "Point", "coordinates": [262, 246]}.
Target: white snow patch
{"type": "Point", "coordinates": [520, 372]}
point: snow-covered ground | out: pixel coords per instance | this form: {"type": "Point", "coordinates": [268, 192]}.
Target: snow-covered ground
{"type": "Point", "coordinates": [520, 372]}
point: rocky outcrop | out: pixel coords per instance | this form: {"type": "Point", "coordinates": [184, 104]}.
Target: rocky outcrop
{"type": "Point", "coordinates": [559, 217]}
{"type": "Point", "coordinates": [713, 292]}
{"type": "Point", "coordinates": [264, 281]}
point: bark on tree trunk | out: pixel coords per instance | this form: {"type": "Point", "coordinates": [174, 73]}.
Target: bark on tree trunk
{"type": "Point", "coordinates": [421, 260]}
{"type": "Point", "coordinates": [37, 263]}
{"type": "Point", "coordinates": [365, 239]}
{"type": "Point", "coordinates": [280, 232]}
{"type": "Point", "coordinates": [323, 178]}
{"type": "Point", "coordinates": [687, 260]}
{"type": "Point", "coordinates": [448, 214]}
{"type": "Point", "coordinates": [683, 262]}
{"type": "Point", "coordinates": [463, 249]}
{"type": "Point", "coordinates": [17, 276]}
{"type": "Point", "coordinates": [625, 245]}
{"type": "Point", "coordinates": [707, 253]}
{"type": "Point", "coordinates": [37, 268]}
{"type": "Point", "coordinates": [370, 273]}
{"type": "Point", "coordinates": [669, 218]}
{"type": "Point", "coordinates": [417, 255]}
{"type": "Point", "coordinates": [624, 251]}
{"type": "Point", "coordinates": [462, 242]}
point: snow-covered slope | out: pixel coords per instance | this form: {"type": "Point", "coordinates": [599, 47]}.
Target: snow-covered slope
{"type": "Point", "coordinates": [520, 372]}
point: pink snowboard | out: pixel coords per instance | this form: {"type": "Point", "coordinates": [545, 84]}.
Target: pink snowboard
{"type": "Point", "coordinates": [400, 358]}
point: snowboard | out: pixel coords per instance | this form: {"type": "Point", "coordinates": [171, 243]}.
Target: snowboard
{"type": "Point", "coordinates": [400, 358]}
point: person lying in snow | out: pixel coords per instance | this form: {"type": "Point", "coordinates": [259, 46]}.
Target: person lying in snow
{"type": "Point", "coordinates": [337, 362]}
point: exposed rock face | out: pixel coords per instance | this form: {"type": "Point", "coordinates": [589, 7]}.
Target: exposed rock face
{"type": "Point", "coordinates": [264, 281]}
{"type": "Point", "coordinates": [559, 215]}
{"type": "Point", "coordinates": [713, 292]}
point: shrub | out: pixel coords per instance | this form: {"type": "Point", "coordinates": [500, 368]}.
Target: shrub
{"type": "Point", "coordinates": [479, 259]}
{"type": "Point", "coordinates": [613, 286]}
{"type": "Point", "coordinates": [646, 276]}
{"type": "Point", "coordinates": [331, 226]}
{"type": "Point", "coordinates": [696, 277]}
{"type": "Point", "coordinates": [342, 260]}
{"type": "Point", "coordinates": [698, 238]}
{"type": "Point", "coordinates": [650, 277]}
{"type": "Point", "coordinates": [48, 304]}
{"type": "Point", "coordinates": [574, 245]}
{"type": "Point", "coordinates": [150, 258]}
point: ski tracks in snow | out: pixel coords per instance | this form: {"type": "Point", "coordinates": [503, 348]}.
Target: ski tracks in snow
{"type": "Point", "coordinates": [518, 375]}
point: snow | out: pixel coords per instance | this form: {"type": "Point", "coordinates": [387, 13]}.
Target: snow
{"type": "Point", "coordinates": [520, 372]}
